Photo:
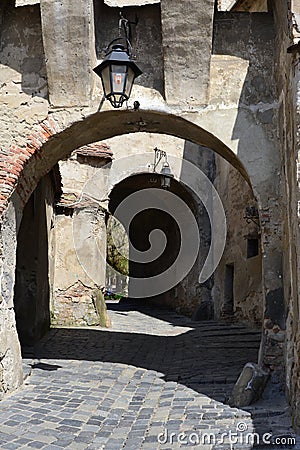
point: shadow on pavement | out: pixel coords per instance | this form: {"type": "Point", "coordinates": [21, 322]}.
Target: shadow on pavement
{"type": "Point", "coordinates": [206, 357]}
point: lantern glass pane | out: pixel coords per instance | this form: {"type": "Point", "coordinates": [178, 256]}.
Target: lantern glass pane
{"type": "Point", "coordinates": [130, 80]}
{"type": "Point", "coordinates": [105, 76]}
{"type": "Point", "coordinates": [118, 77]}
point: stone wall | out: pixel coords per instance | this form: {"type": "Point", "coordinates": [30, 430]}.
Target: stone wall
{"type": "Point", "coordinates": [288, 86]}
{"type": "Point", "coordinates": [241, 259]}
{"type": "Point", "coordinates": [74, 293]}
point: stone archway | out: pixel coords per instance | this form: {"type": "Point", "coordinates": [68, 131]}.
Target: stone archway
{"type": "Point", "coordinates": [182, 295]}
{"type": "Point", "coordinates": [28, 163]}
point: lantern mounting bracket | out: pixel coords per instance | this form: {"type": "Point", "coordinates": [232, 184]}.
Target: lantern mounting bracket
{"type": "Point", "coordinates": [158, 156]}
{"type": "Point", "coordinates": [125, 29]}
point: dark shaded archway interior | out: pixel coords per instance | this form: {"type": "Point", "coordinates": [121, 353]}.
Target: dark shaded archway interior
{"type": "Point", "coordinates": [148, 220]}
{"type": "Point", "coordinates": [32, 284]}
{"type": "Point", "coordinates": [33, 271]}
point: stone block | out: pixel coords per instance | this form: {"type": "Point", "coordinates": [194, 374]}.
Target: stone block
{"type": "Point", "coordinates": [68, 37]}
{"type": "Point", "coordinates": [187, 50]}
{"type": "Point", "coordinates": [228, 74]}
{"type": "Point", "coordinates": [249, 386]}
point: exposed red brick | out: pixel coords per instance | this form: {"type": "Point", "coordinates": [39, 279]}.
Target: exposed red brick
{"type": "Point", "coordinates": [99, 150]}
{"type": "Point", "coordinates": [12, 163]}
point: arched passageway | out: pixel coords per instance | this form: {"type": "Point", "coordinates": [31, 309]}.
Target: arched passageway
{"type": "Point", "coordinates": [165, 246]}
{"type": "Point", "coordinates": [56, 144]}
{"type": "Point", "coordinates": [171, 212]}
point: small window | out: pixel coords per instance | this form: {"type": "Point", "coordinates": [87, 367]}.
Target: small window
{"type": "Point", "coordinates": [252, 248]}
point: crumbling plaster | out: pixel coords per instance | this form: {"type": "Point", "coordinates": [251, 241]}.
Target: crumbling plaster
{"type": "Point", "coordinates": [73, 294]}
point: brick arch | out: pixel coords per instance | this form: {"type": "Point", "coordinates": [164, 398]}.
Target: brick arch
{"type": "Point", "coordinates": [26, 163]}
{"type": "Point", "coordinates": [13, 163]}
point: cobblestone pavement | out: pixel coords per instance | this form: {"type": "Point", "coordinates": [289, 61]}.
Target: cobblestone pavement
{"type": "Point", "coordinates": [153, 371]}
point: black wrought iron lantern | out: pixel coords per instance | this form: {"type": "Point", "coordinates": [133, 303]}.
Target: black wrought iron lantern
{"type": "Point", "coordinates": [117, 71]}
{"type": "Point", "coordinates": [166, 176]}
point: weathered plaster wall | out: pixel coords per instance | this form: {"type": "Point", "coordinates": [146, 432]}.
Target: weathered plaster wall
{"type": "Point", "coordinates": [288, 91]}
{"type": "Point", "coordinates": [23, 81]}
{"type": "Point", "coordinates": [258, 104]}
{"type": "Point", "coordinates": [68, 38]}
{"type": "Point", "coordinates": [74, 293]}
{"type": "Point", "coordinates": [247, 304]}
{"type": "Point", "coordinates": [23, 71]}
{"type": "Point", "coordinates": [187, 45]}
